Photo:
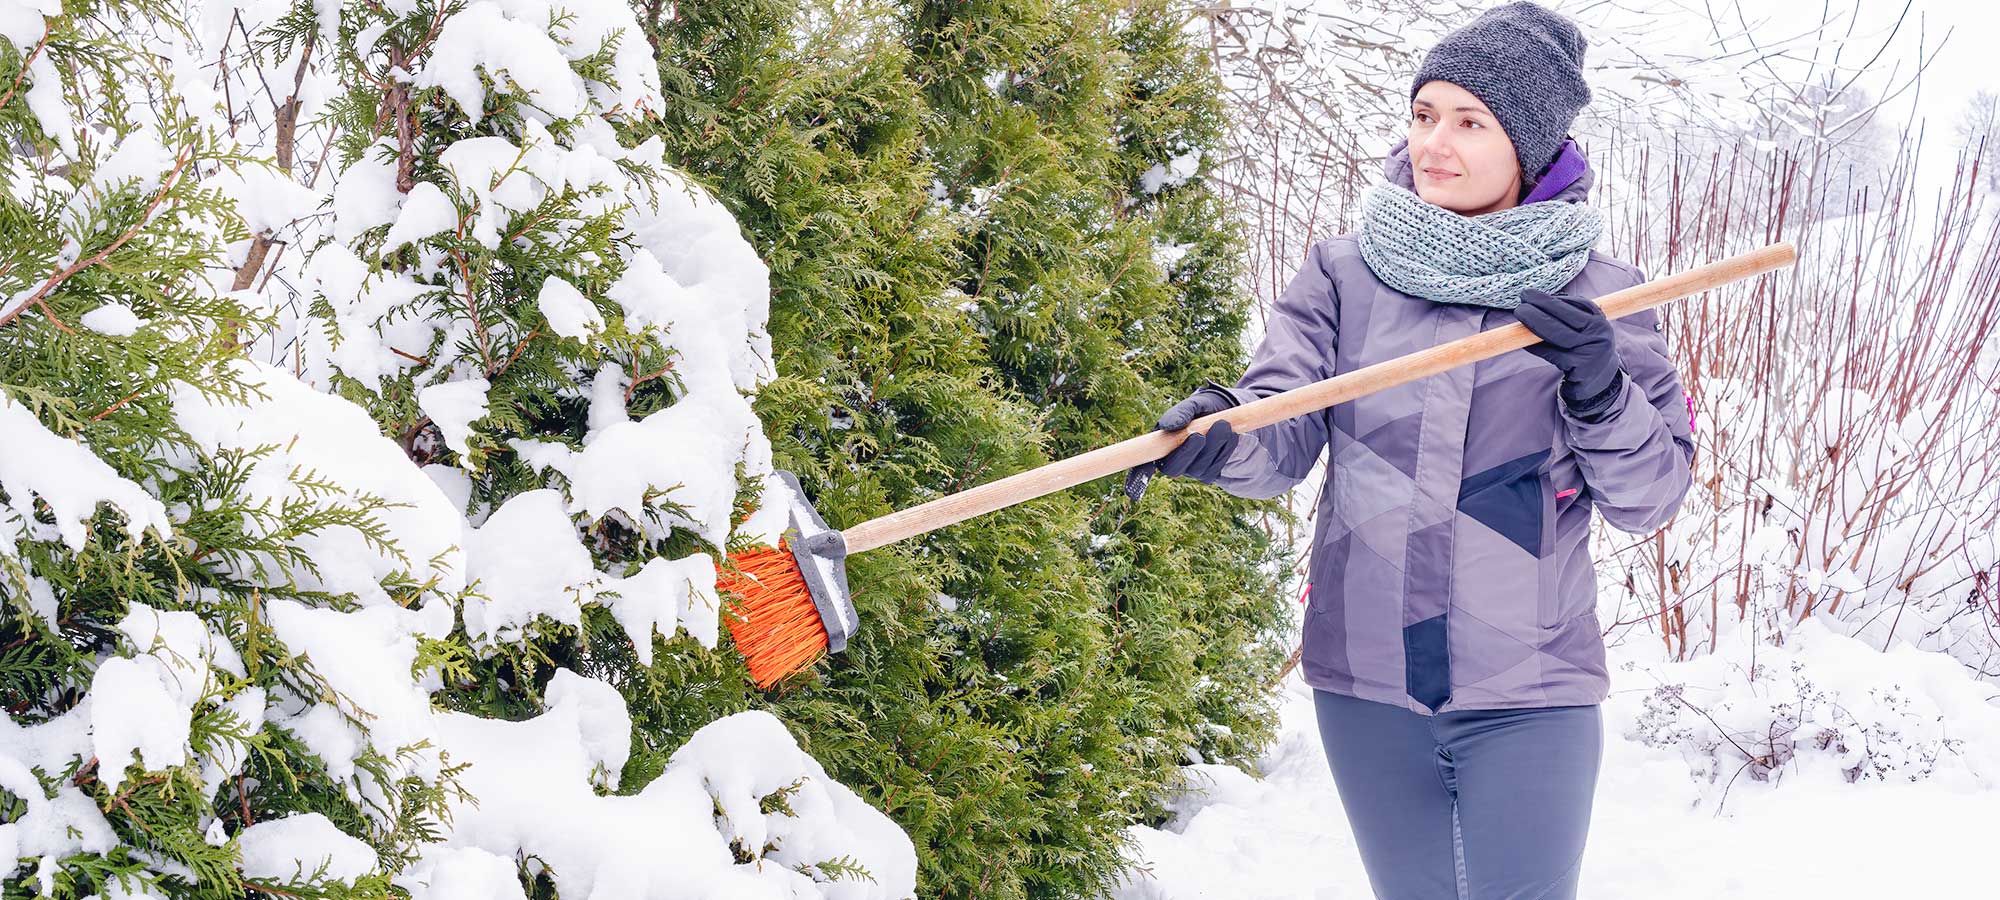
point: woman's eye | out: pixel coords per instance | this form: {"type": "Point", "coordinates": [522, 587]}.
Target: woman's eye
{"type": "Point", "coordinates": [1472, 122]}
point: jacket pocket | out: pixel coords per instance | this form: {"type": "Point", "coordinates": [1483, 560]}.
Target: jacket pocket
{"type": "Point", "coordinates": [1552, 606]}
{"type": "Point", "coordinates": [1567, 510]}
{"type": "Point", "coordinates": [1500, 566]}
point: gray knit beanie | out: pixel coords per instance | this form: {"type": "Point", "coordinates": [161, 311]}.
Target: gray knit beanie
{"type": "Point", "coordinates": [1526, 64]}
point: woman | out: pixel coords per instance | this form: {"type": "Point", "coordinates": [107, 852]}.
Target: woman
{"type": "Point", "coordinates": [1451, 637]}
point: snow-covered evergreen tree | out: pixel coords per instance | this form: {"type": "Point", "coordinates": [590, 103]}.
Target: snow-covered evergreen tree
{"type": "Point", "coordinates": [358, 625]}
{"type": "Point", "coordinates": [526, 305]}
{"type": "Point", "coordinates": [148, 557]}
{"type": "Point", "coordinates": [989, 248]}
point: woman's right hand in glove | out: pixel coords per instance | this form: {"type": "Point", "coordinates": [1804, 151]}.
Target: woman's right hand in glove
{"type": "Point", "coordinates": [1200, 456]}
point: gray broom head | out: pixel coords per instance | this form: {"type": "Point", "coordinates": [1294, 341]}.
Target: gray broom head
{"type": "Point", "coordinates": [822, 557]}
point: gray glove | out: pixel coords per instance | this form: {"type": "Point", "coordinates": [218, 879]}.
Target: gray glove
{"type": "Point", "coordinates": [1200, 456]}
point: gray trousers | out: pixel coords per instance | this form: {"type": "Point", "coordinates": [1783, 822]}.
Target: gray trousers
{"type": "Point", "coordinates": [1467, 805]}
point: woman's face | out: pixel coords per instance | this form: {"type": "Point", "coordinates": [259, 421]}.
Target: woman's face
{"type": "Point", "coordinates": [1460, 158]}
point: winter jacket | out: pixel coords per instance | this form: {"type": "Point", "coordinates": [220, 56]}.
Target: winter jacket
{"type": "Point", "coordinates": [1450, 563]}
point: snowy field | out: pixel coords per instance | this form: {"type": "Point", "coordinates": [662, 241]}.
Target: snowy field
{"type": "Point", "coordinates": [1285, 836]}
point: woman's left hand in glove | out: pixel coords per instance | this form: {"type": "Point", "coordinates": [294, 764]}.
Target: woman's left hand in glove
{"type": "Point", "coordinates": [1201, 456]}
{"type": "Point", "coordinates": [1576, 338]}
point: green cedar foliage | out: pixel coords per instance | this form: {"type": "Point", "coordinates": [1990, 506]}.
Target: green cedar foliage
{"type": "Point", "coordinates": [132, 207]}
{"type": "Point", "coordinates": [480, 297]}
{"type": "Point", "coordinates": [970, 278]}
{"type": "Point", "coordinates": [103, 204]}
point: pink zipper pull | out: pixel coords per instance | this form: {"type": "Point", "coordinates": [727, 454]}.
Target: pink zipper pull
{"type": "Point", "coordinates": [1565, 492]}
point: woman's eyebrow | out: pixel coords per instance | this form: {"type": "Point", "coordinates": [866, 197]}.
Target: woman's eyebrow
{"type": "Point", "coordinates": [1456, 108]}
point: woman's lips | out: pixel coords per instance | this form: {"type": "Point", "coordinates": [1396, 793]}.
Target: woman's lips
{"type": "Point", "coordinates": [1434, 173]}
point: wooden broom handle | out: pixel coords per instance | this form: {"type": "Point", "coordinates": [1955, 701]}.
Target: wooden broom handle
{"type": "Point", "coordinates": [1296, 402]}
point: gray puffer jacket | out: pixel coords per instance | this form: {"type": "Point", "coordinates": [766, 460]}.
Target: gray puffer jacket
{"type": "Point", "coordinates": [1451, 564]}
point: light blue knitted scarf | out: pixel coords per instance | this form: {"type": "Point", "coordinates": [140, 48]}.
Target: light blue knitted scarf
{"type": "Point", "coordinates": [1425, 250]}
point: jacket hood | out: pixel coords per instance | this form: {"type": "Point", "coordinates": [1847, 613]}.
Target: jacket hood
{"type": "Point", "coordinates": [1569, 165]}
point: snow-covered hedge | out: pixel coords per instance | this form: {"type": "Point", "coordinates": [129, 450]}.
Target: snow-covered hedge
{"type": "Point", "coordinates": [354, 620]}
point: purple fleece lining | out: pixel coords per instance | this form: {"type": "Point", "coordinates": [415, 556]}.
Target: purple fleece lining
{"type": "Point", "coordinates": [1567, 165]}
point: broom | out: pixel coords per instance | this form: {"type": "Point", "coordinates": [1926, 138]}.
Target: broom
{"type": "Point", "coordinates": [794, 599]}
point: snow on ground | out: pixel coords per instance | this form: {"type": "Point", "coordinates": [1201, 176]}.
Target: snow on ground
{"type": "Point", "coordinates": [1656, 831]}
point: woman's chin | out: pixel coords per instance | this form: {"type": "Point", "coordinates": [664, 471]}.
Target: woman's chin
{"type": "Point", "coordinates": [1439, 195]}
{"type": "Point", "coordinates": [1446, 196]}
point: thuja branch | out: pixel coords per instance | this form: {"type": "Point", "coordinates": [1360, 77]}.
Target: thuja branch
{"type": "Point", "coordinates": [523, 345]}
{"type": "Point", "coordinates": [40, 296]}
{"type": "Point", "coordinates": [645, 378]}
{"type": "Point", "coordinates": [27, 61]}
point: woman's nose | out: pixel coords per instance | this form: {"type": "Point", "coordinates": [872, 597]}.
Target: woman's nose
{"type": "Point", "coordinates": [1437, 145]}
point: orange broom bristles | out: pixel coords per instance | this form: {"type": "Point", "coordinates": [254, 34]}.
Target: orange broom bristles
{"type": "Point", "coordinates": [780, 631]}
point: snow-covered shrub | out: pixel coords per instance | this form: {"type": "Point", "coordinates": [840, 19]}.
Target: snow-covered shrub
{"type": "Point", "coordinates": [1822, 706]}
{"type": "Point", "coordinates": [1846, 428]}
{"type": "Point", "coordinates": [250, 642]}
